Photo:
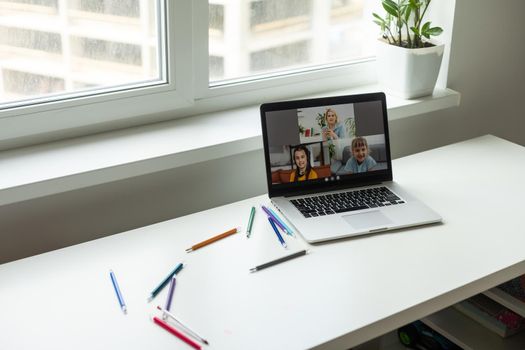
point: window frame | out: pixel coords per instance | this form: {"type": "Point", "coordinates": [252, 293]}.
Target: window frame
{"type": "Point", "coordinates": [185, 93]}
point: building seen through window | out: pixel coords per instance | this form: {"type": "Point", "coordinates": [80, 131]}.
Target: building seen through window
{"type": "Point", "coordinates": [53, 47]}
{"type": "Point", "coordinates": [251, 37]}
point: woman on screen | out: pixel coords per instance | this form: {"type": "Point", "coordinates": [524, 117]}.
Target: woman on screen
{"type": "Point", "coordinates": [333, 130]}
{"type": "Point", "coordinates": [303, 168]}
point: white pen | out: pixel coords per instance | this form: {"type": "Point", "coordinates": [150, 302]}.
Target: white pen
{"type": "Point", "coordinates": [184, 327]}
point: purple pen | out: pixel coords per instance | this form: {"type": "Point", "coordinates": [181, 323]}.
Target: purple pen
{"type": "Point", "coordinates": [276, 219]}
{"type": "Point", "coordinates": [170, 295]}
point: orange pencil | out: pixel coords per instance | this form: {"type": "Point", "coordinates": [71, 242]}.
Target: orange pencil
{"type": "Point", "coordinates": [213, 239]}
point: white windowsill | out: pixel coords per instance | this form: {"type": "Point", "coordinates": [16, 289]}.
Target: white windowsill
{"type": "Point", "coordinates": [57, 167]}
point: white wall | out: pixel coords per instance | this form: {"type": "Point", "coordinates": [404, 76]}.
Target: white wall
{"type": "Point", "coordinates": [487, 66]}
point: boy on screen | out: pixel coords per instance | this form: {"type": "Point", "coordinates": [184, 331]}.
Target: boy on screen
{"type": "Point", "coordinates": [360, 161]}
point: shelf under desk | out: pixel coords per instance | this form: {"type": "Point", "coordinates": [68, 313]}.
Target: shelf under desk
{"type": "Point", "coordinates": [339, 295]}
{"type": "Point", "coordinates": [469, 334]}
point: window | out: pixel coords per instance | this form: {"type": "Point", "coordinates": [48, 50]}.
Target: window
{"type": "Point", "coordinates": [93, 64]}
{"type": "Point", "coordinates": [277, 35]}
{"type": "Point", "coordinates": [53, 48]}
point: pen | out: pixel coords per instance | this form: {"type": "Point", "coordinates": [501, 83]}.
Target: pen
{"type": "Point", "coordinates": [117, 291]}
{"type": "Point", "coordinates": [185, 328]}
{"type": "Point", "coordinates": [176, 333]}
{"type": "Point", "coordinates": [280, 260]}
{"type": "Point", "coordinates": [170, 293]}
{"type": "Point", "coordinates": [287, 229]}
{"type": "Point", "coordinates": [165, 281]}
{"type": "Point", "coordinates": [277, 220]}
{"type": "Point", "coordinates": [213, 239]}
{"type": "Point", "coordinates": [272, 222]}
{"type": "Point", "coordinates": [250, 223]}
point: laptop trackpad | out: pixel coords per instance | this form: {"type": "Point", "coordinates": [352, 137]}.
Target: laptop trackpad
{"type": "Point", "coordinates": [369, 219]}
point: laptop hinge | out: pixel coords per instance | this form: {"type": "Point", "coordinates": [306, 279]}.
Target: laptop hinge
{"type": "Point", "coordinates": [329, 189]}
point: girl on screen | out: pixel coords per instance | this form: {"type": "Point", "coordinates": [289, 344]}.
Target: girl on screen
{"type": "Point", "coordinates": [303, 168]}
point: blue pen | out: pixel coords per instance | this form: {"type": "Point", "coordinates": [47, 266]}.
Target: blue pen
{"type": "Point", "coordinates": [275, 220]}
{"type": "Point", "coordinates": [278, 220]}
{"type": "Point", "coordinates": [117, 291]}
{"type": "Point", "coordinates": [272, 222]}
{"type": "Point", "coordinates": [286, 228]}
{"type": "Point", "coordinates": [165, 281]}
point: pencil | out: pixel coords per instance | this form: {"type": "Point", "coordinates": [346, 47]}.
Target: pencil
{"type": "Point", "coordinates": [250, 223]}
{"type": "Point", "coordinates": [177, 333]}
{"type": "Point", "coordinates": [213, 239]}
{"type": "Point", "coordinates": [280, 260]}
{"type": "Point", "coordinates": [185, 328]}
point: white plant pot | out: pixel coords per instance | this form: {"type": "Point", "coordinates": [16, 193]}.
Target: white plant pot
{"type": "Point", "coordinates": [408, 73]}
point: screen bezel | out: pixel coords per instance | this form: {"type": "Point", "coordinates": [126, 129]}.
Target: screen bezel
{"type": "Point", "coordinates": [354, 180]}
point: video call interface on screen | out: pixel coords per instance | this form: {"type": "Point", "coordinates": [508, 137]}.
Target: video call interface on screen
{"type": "Point", "coordinates": [326, 143]}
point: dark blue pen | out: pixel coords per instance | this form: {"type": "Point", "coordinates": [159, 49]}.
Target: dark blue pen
{"type": "Point", "coordinates": [283, 243]}
{"type": "Point", "coordinates": [277, 220]}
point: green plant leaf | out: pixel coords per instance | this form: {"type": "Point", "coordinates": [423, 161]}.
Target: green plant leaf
{"type": "Point", "coordinates": [408, 12]}
{"type": "Point", "coordinates": [380, 24]}
{"type": "Point", "coordinates": [428, 31]}
{"type": "Point", "coordinates": [377, 16]}
{"type": "Point", "coordinates": [415, 30]}
{"type": "Point", "coordinates": [391, 7]}
{"type": "Point", "coordinates": [435, 31]}
{"type": "Point", "coordinates": [379, 21]}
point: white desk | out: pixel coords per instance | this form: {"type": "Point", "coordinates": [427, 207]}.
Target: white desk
{"type": "Point", "coordinates": [340, 295]}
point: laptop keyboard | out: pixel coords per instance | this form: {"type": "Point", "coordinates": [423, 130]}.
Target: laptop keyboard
{"type": "Point", "coordinates": [334, 203]}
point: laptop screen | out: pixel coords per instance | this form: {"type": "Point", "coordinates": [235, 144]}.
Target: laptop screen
{"type": "Point", "coordinates": [325, 143]}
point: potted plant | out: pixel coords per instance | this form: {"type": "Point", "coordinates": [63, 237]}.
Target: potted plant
{"type": "Point", "coordinates": [408, 58]}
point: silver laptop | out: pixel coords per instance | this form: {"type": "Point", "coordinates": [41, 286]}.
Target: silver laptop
{"type": "Point", "coordinates": [329, 170]}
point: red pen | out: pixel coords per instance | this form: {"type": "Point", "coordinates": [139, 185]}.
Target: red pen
{"type": "Point", "coordinates": [176, 333]}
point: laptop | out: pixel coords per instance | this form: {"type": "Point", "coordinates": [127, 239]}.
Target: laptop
{"type": "Point", "coordinates": [329, 170]}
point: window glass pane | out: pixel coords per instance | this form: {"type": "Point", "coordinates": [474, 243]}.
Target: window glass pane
{"type": "Point", "coordinates": [126, 8]}
{"type": "Point", "coordinates": [279, 56]}
{"type": "Point", "coordinates": [216, 67]}
{"type": "Point", "coordinates": [23, 82]}
{"type": "Point", "coordinates": [251, 37]}
{"type": "Point", "coordinates": [55, 47]}
{"type": "Point", "coordinates": [278, 12]}
{"type": "Point", "coordinates": [216, 19]}
{"type": "Point", "coordinates": [50, 3]}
